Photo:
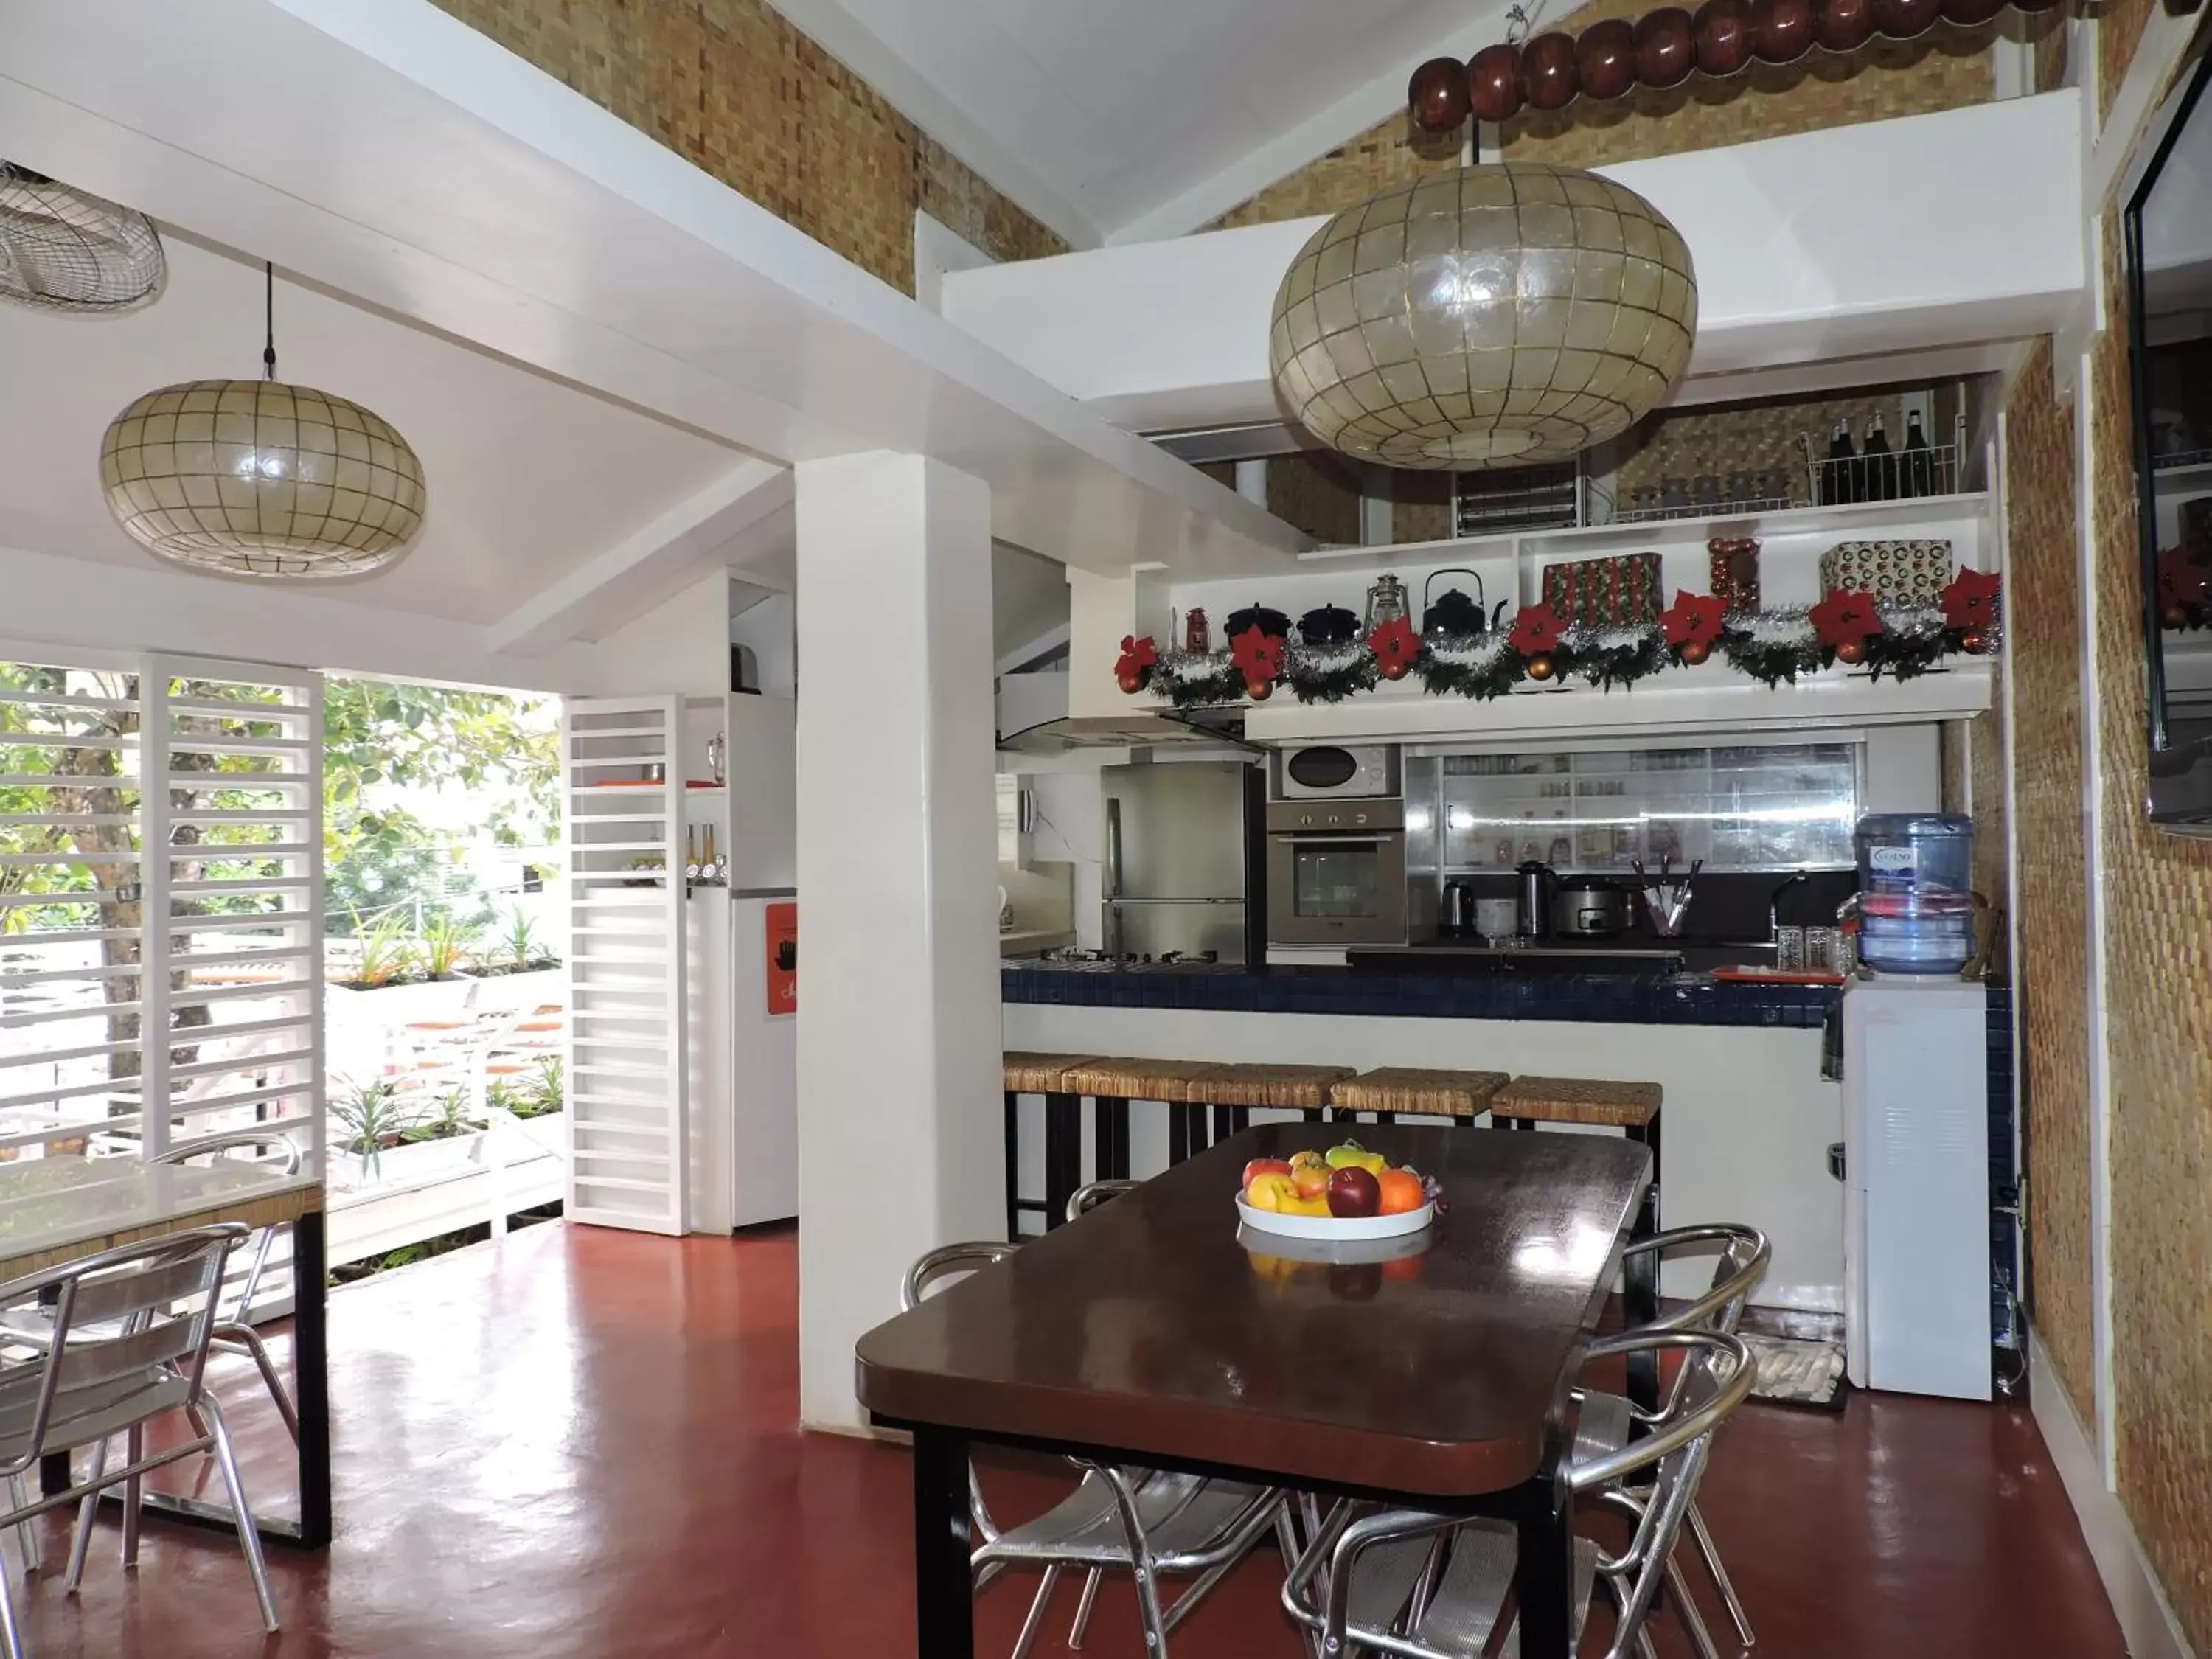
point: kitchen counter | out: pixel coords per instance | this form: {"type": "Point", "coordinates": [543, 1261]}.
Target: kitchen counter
{"type": "Point", "coordinates": [1032, 941]}
{"type": "Point", "coordinates": [1628, 995]}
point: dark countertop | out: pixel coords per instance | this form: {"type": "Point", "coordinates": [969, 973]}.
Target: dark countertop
{"type": "Point", "coordinates": [1620, 997]}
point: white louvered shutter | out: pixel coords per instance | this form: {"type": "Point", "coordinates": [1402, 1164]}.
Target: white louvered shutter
{"type": "Point", "coordinates": [233, 833]}
{"type": "Point", "coordinates": [623, 862]}
{"type": "Point", "coordinates": [71, 1001]}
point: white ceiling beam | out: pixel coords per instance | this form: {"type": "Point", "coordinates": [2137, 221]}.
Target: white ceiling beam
{"type": "Point", "coordinates": [646, 566]}
{"type": "Point", "coordinates": [424, 169]}
{"type": "Point", "coordinates": [1312, 138]}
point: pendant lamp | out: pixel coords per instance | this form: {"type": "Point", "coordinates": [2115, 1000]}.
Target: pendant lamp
{"type": "Point", "coordinates": [1508, 314]}
{"type": "Point", "coordinates": [263, 479]}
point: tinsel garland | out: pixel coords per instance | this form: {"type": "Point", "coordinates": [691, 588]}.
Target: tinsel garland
{"type": "Point", "coordinates": [1477, 666]}
{"type": "Point", "coordinates": [1608, 657]}
{"type": "Point", "coordinates": [1773, 647]}
{"type": "Point", "coordinates": [1196, 679]}
{"type": "Point", "coordinates": [1329, 673]}
{"type": "Point", "coordinates": [1913, 639]}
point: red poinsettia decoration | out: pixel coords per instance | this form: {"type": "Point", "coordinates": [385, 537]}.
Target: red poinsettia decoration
{"type": "Point", "coordinates": [2181, 581]}
{"type": "Point", "coordinates": [1536, 631]}
{"type": "Point", "coordinates": [1137, 655]}
{"type": "Point", "coordinates": [1971, 600]}
{"type": "Point", "coordinates": [1258, 656]}
{"type": "Point", "coordinates": [1844, 618]}
{"type": "Point", "coordinates": [1693, 619]}
{"type": "Point", "coordinates": [1395, 644]}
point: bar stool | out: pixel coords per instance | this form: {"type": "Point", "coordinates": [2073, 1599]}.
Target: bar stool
{"type": "Point", "coordinates": [1024, 1073]}
{"type": "Point", "coordinates": [1633, 1108]}
{"type": "Point", "coordinates": [1418, 1091]}
{"type": "Point", "coordinates": [1234, 1090]}
{"type": "Point", "coordinates": [1115, 1082]}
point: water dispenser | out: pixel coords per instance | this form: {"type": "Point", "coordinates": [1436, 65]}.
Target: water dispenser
{"type": "Point", "coordinates": [1916, 891]}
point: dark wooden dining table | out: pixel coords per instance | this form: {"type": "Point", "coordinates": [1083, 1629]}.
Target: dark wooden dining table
{"type": "Point", "coordinates": [1147, 1334]}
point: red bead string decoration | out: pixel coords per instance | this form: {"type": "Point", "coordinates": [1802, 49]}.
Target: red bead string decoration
{"type": "Point", "coordinates": [1613, 57]}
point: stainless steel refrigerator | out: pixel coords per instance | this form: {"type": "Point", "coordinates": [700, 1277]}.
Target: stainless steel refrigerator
{"type": "Point", "coordinates": [1177, 862]}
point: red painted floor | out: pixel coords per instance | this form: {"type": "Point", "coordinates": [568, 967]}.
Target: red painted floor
{"type": "Point", "coordinates": [578, 1442]}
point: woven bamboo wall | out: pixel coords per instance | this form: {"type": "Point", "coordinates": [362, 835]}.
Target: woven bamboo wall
{"type": "Point", "coordinates": [1942, 69]}
{"type": "Point", "coordinates": [2042, 613]}
{"type": "Point", "coordinates": [2120, 25]}
{"type": "Point", "coordinates": [733, 88]}
{"type": "Point", "coordinates": [1319, 494]}
{"type": "Point", "coordinates": [1391, 152]}
{"type": "Point", "coordinates": [2157, 907]}
{"type": "Point", "coordinates": [1730, 438]}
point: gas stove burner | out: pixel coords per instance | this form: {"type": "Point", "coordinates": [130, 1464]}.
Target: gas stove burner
{"type": "Point", "coordinates": [1127, 959]}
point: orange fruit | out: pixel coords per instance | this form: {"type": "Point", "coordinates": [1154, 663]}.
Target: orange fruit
{"type": "Point", "coordinates": [1402, 1192]}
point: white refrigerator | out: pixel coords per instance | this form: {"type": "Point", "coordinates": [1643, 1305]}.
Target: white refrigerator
{"type": "Point", "coordinates": [745, 1061]}
{"type": "Point", "coordinates": [1916, 1208]}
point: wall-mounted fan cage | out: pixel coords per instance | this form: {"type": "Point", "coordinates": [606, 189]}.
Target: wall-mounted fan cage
{"type": "Point", "coordinates": [64, 249]}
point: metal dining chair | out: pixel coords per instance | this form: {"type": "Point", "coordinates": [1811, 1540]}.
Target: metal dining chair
{"type": "Point", "coordinates": [32, 1328]}
{"type": "Point", "coordinates": [1151, 1524]}
{"type": "Point", "coordinates": [130, 1336]}
{"type": "Point", "coordinates": [1424, 1586]}
{"type": "Point", "coordinates": [1607, 1422]}
{"type": "Point", "coordinates": [233, 1335]}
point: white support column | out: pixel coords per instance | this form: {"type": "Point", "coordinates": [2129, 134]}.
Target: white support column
{"type": "Point", "coordinates": [899, 1118]}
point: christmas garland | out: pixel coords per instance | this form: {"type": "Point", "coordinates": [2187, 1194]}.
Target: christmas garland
{"type": "Point", "coordinates": [1477, 666]}
{"type": "Point", "coordinates": [1772, 647]}
{"type": "Point", "coordinates": [1329, 673]}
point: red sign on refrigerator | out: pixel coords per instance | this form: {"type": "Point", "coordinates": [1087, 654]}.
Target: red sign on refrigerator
{"type": "Point", "coordinates": [783, 958]}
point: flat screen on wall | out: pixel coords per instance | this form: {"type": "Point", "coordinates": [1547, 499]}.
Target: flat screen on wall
{"type": "Point", "coordinates": [2168, 230]}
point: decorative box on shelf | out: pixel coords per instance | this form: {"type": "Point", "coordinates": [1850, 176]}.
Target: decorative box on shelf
{"type": "Point", "coordinates": [1605, 593]}
{"type": "Point", "coordinates": [1901, 573]}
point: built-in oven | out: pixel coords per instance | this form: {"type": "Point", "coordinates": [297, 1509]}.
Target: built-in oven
{"type": "Point", "coordinates": [1335, 772]}
{"type": "Point", "coordinates": [1336, 872]}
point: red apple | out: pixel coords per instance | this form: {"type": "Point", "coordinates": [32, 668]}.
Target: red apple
{"type": "Point", "coordinates": [1353, 1192]}
{"type": "Point", "coordinates": [1259, 1166]}
{"type": "Point", "coordinates": [1311, 1180]}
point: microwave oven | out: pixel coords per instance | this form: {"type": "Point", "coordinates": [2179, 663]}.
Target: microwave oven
{"type": "Point", "coordinates": [1330, 772]}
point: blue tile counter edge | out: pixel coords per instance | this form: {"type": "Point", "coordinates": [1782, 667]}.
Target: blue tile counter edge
{"type": "Point", "coordinates": [1590, 999]}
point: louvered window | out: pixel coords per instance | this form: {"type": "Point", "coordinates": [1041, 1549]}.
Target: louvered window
{"type": "Point", "coordinates": [159, 903]}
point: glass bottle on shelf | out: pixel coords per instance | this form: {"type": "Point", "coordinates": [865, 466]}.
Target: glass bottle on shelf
{"type": "Point", "coordinates": [1836, 472]}
{"type": "Point", "coordinates": [1880, 462]}
{"type": "Point", "coordinates": [1917, 474]}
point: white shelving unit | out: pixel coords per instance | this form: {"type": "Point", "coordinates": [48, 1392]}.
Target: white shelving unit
{"type": "Point", "coordinates": [1711, 698]}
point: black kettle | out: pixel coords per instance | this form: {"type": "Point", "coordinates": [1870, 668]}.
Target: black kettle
{"type": "Point", "coordinates": [1455, 614]}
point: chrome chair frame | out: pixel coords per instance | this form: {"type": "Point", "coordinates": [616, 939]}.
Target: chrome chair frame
{"type": "Point", "coordinates": [120, 1355]}
{"type": "Point", "coordinates": [1610, 1421]}
{"type": "Point", "coordinates": [1437, 1586]}
{"type": "Point", "coordinates": [1149, 1523]}
{"type": "Point", "coordinates": [233, 1335]}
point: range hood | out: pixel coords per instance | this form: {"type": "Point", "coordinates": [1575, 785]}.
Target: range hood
{"type": "Point", "coordinates": [1211, 728]}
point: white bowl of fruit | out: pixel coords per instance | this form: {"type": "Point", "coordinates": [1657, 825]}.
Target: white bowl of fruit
{"type": "Point", "coordinates": [1344, 1193]}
